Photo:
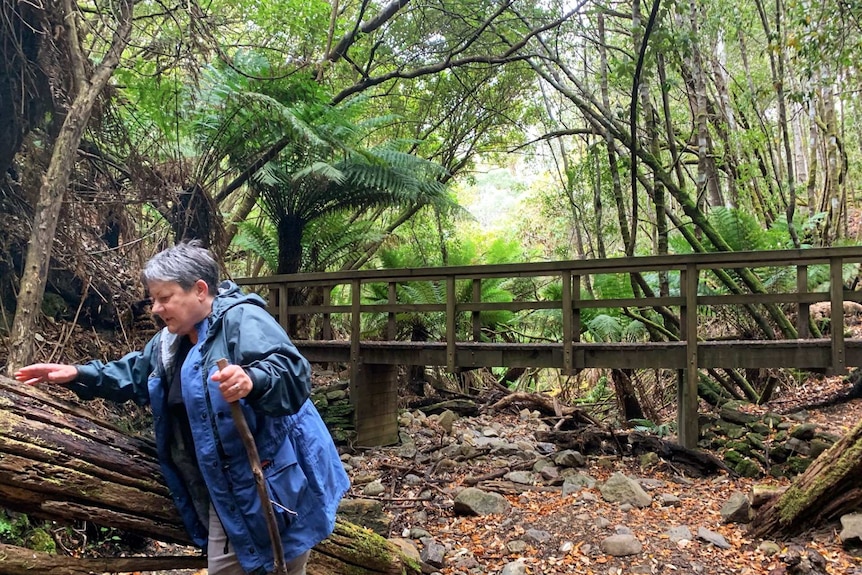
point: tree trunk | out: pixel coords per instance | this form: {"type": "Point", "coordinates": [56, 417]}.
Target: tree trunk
{"type": "Point", "coordinates": [61, 462]}
{"type": "Point", "coordinates": [777, 66]}
{"type": "Point", "coordinates": [613, 167]}
{"type": "Point", "coordinates": [694, 74]}
{"type": "Point", "coordinates": [828, 489]}
{"type": "Point", "coordinates": [56, 180]}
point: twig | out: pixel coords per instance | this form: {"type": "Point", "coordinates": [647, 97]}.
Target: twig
{"type": "Point", "coordinates": [60, 347]}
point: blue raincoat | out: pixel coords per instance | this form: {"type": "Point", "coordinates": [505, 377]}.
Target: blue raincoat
{"type": "Point", "coordinates": [302, 469]}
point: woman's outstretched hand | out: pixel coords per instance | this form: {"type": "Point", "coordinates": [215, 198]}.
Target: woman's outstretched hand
{"type": "Point", "coordinates": [46, 373]}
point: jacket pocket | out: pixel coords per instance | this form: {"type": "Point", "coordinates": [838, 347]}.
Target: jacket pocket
{"type": "Point", "coordinates": [287, 485]}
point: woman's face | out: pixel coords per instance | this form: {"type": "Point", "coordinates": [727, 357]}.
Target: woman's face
{"type": "Point", "coordinates": [180, 309]}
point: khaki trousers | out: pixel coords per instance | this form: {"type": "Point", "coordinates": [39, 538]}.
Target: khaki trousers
{"type": "Point", "coordinates": [221, 559]}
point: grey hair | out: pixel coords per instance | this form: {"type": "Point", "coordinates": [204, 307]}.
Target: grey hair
{"type": "Point", "coordinates": [184, 263]}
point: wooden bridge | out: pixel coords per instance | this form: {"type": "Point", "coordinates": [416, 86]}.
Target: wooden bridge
{"type": "Point", "coordinates": [746, 281]}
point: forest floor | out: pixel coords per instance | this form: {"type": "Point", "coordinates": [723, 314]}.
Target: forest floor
{"type": "Point", "coordinates": [562, 534]}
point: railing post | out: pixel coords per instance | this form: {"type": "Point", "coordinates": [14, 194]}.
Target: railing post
{"type": "Point", "coordinates": [803, 309]}
{"type": "Point", "coordinates": [836, 318]}
{"type": "Point", "coordinates": [391, 328]}
{"type": "Point", "coordinates": [282, 306]}
{"type": "Point", "coordinates": [687, 390]}
{"type": "Point", "coordinates": [477, 318]}
{"type": "Point", "coordinates": [568, 364]}
{"type": "Point", "coordinates": [326, 329]}
{"type": "Point", "coordinates": [450, 323]}
{"type": "Point", "coordinates": [355, 326]}
{"type": "Point", "coordinates": [576, 314]}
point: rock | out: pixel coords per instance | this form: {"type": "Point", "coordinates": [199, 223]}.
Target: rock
{"type": "Point", "coordinates": [474, 501]}
{"type": "Point", "coordinates": [769, 548]}
{"type": "Point", "coordinates": [446, 419]}
{"type": "Point", "coordinates": [432, 552]}
{"type": "Point", "coordinates": [569, 458]}
{"type": "Point", "coordinates": [737, 509]}
{"type": "Point", "coordinates": [536, 536]}
{"type": "Point", "coordinates": [522, 477]}
{"type": "Point", "coordinates": [679, 533]}
{"type": "Point", "coordinates": [851, 528]}
{"type": "Point", "coordinates": [374, 488]}
{"type": "Point", "coordinates": [574, 483]}
{"type": "Point", "coordinates": [716, 539]}
{"type": "Point", "coordinates": [621, 545]}
{"type": "Point", "coordinates": [367, 513]}
{"type": "Point", "coordinates": [621, 489]}
{"type": "Point", "coordinates": [514, 568]}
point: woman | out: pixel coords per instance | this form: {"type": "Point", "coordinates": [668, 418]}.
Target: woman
{"type": "Point", "coordinates": [202, 456]}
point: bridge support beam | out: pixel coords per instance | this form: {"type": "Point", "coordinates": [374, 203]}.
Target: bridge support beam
{"type": "Point", "coordinates": [374, 393]}
{"type": "Point", "coordinates": [687, 420]}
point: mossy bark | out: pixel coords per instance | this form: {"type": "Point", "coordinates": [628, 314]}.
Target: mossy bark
{"type": "Point", "coordinates": [828, 489]}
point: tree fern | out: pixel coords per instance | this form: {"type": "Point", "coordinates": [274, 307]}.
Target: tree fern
{"type": "Point", "coordinates": [259, 240]}
{"type": "Point", "coordinates": [605, 328]}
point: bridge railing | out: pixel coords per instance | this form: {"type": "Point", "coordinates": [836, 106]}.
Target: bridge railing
{"type": "Point", "coordinates": [699, 281]}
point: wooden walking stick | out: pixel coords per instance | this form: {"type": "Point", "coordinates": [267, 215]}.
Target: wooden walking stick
{"type": "Point", "coordinates": [257, 470]}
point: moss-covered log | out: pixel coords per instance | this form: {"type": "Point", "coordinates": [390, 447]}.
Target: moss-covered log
{"type": "Point", "coordinates": [61, 462]}
{"type": "Point", "coordinates": [828, 489]}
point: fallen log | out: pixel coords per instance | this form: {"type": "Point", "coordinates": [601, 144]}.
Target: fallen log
{"type": "Point", "coordinates": [594, 441]}
{"type": "Point", "coordinates": [61, 462]}
{"type": "Point", "coordinates": [826, 490]}
{"type": "Point", "coordinates": [22, 561]}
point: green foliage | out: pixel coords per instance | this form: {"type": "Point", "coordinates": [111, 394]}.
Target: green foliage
{"type": "Point", "coordinates": [605, 328]}
{"type": "Point", "coordinates": [647, 426]}
{"type": "Point", "coordinates": [258, 239]}
{"type": "Point", "coordinates": [493, 323]}
{"type": "Point", "coordinates": [599, 393]}
{"type": "Point", "coordinates": [17, 529]}
{"type": "Point", "coordinates": [6, 530]}
{"type": "Point", "coordinates": [40, 540]}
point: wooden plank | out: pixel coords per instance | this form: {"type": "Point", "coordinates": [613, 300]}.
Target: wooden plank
{"type": "Point", "coordinates": [715, 260]}
{"type": "Point", "coordinates": [798, 353]}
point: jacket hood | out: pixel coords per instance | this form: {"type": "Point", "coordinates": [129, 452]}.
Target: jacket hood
{"type": "Point", "coordinates": [230, 295]}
